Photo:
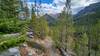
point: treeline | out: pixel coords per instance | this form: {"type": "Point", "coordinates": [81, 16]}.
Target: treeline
{"type": "Point", "coordinates": [90, 25]}
{"type": "Point", "coordinates": [77, 38]}
{"type": "Point", "coordinates": [11, 24]}
{"type": "Point", "coordinates": [68, 37]}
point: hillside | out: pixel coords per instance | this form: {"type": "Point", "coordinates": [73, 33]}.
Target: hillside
{"type": "Point", "coordinates": [89, 15]}
{"type": "Point", "coordinates": [92, 8]}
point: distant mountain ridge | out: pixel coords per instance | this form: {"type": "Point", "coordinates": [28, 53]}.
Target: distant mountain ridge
{"type": "Point", "coordinates": [92, 8]}
{"type": "Point", "coordinates": [89, 15]}
{"type": "Point", "coordinates": [50, 18]}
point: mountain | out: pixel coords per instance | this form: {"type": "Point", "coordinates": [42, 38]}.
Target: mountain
{"type": "Point", "coordinates": [55, 15]}
{"type": "Point", "coordinates": [89, 15]}
{"type": "Point", "coordinates": [51, 19]}
{"type": "Point", "coordinates": [92, 8]}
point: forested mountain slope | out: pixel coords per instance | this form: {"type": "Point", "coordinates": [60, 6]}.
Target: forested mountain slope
{"type": "Point", "coordinates": [89, 15]}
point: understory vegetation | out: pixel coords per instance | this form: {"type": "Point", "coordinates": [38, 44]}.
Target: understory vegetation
{"type": "Point", "coordinates": [80, 37]}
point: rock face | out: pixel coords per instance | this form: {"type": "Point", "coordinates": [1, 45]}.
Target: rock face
{"type": "Point", "coordinates": [11, 52]}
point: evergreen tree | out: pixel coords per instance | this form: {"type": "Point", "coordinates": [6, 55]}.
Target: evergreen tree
{"type": "Point", "coordinates": [81, 48]}
{"type": "Point", "coordinates": [39, 25]}
{"type": "Point", "coordinates": [8, 8]}
{"type": "Point", "coordinates": [94, 40]}
{"type": "Point", "coordinates": [25, 9]}
{"type": "Point", "coordinates": [64, 31]}
{"type": "Point", "coordinates": [44, 28]}
{"type": "Point", "coordinates": [67, 29]}
{"type": "Point", "coordinates": [84, 44]}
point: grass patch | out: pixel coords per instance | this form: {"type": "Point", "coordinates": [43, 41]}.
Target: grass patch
{"type": "Point", "coordinates": [6, 43]}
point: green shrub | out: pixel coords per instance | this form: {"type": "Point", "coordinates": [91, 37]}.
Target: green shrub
{"type": "Point", "coordinates": [11, 42]}
{"type": "Point", "coordinates": [11, 25]}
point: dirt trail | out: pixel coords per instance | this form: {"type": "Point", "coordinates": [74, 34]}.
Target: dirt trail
{"type": "Point", "coordinates": [48, 44]}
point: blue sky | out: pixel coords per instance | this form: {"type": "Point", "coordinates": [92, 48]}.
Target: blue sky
{"type": "Point", "coordinates": [43, 1]}
{"type": "Point", "coordinates": [48, 6]}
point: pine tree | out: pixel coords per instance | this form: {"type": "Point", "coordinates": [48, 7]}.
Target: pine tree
{"type": "Point", "coordinates": [8, 8]}
{"type": "Point", "coordinates": [39, 25]}
{"type": "Point", "coordinates": [81, 44]}
{"type": "Point", "coordinates": [94, 40]}
{"type": "Point", "coordinates": [64, 31]}
{"type": "Point", "coordinates": [67, 29]}
{"type": "Point", "coordinates": [25, 9]}
{"type": "Point", "coordinates": [44, 28]}
{"type": "Point", "coordinates": [84, 44]}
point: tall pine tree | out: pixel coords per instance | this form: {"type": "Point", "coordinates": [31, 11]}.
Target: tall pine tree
{"type": "Point", "coordinates": [63, 34]}
{"type": "Point", "coordinates": [39, 25]}
{"type": "Point", "coordinates": [8, 8]}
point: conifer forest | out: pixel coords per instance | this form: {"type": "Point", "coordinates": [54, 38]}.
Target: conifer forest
{"type": "Point", "coordinates": [49, 28]}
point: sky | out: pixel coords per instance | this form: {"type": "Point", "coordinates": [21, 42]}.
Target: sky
{"type": "Point", "coordinates": [56, 6]}
{"type": "Point", "coordinates": [43, 1]}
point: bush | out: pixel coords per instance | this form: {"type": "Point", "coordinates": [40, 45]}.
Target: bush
{"type": "Point", "coordinates": [11, 42]}
{"type": "Point", "coordinates": [11, 25]}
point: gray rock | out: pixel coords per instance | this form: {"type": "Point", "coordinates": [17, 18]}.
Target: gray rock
{"type": "Point", "coordinates": [11, 52]}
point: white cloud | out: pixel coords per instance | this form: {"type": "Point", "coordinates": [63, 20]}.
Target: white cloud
{"type": "Point", "coordinates": [49, 8]}
{"type": "Point", "coordinates": [57, 6]}
{"type": "Point", "coordinates": [83, 3]}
